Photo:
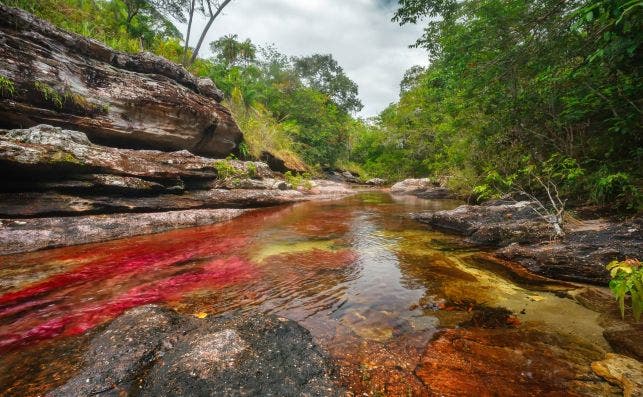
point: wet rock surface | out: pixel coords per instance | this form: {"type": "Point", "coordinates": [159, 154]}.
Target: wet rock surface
{"type": "Point", "coordinates": [133, 101]}
{"type": "Point", "coordinates": [523, 236]}
{"type": "Point", "coordinates": [152, 351]}
{"type": "Point", "coordinates": [376, 182]}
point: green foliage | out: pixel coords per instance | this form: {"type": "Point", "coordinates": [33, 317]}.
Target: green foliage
{"type": "Point", "coordinates": [298, 180]}
{"type": "Point", "coordinates": [226, 170]}
{"type": "Point", "coordinates": [7, 86]}
{"type": "Point", "coordinates": [125, 25]}
{"type": "Point", "coordinates": [555, 82]}
{"type": "Point", "coordinates": [251, 170]}
{"type": "Point", "coordinates": [229, 51]}
{"type": "Point", "coordinates": [50, 94]}
{"type": "Point", "coordinates": [324, 74]}
{"type": "Point", "coordinates": [616, 189]}
{"type": "Point", "coordinates": [262, 133]}
{"type": "Point", "coordinates": [627, 279]}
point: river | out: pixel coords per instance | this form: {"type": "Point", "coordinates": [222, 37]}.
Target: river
{"type": "Point", "coordinates": [372, 286]}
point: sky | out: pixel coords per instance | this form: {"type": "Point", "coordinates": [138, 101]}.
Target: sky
{"type": "Point", "coordinates": [358, 33]}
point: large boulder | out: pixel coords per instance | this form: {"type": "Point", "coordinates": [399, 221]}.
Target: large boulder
{"type": "Point", "coordinates": [423, 188]}
{"type": "Point", "coordinates": [410, 186]}
{"type": "Point", "coordinates": [118, 99]}
{"type": "Point", "coordinates": [154, 351]}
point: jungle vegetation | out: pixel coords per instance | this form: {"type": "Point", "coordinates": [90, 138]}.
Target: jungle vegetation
{"type": "Point", "coordinates": [515, 90]}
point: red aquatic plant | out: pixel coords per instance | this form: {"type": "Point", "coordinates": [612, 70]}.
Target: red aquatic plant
{"type": "Point", "coordinates": [74, 319]}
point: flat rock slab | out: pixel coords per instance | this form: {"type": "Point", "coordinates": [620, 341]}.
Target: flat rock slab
{"type": "Point", "coordinates": [155, 351]}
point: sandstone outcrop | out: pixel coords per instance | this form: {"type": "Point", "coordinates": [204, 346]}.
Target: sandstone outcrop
{"type": "Point", "coordinates": [118, 99]}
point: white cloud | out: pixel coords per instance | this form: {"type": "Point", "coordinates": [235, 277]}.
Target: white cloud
{"type": "Point", "coordinates": [359, 33]}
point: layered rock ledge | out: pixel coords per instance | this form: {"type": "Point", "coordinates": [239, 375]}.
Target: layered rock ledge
{"type": "Point", "coordinates": [150, 350]}
{"type": "Point", "coordinates": [124, 100]}
{"type": "Point", "coordinates": [61, 189]}
{"type": "Point", "coordinates": [518, 233]}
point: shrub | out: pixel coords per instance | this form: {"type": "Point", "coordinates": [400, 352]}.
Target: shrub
{"type": "Point", "coordinates": [226, 170]}
{"type": "Point", "coordinates": [297, 180]}
{"type": "Point", "coordinates": [627, 278]}
{"type": "Point", "coordinates": [616, 189]}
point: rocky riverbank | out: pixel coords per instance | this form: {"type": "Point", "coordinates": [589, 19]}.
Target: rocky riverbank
{"type": "Point", "coordinates": [96, 144]}
{"type": "Point", "coordinates": [516, 232]}
{"type": "Point", "coordinates": [150, 351]}
{"type": "Point", "coordinates": [62, 189]}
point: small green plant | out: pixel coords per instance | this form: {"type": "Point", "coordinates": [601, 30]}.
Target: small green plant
{"type": "Point", "coordinates": [244, 151]}
{"type": "Point", "coordinates": [225, 169]}
{"type": "Point", "coordinates": [50, 94]}
{"type": "Point", "coordinates": [251, 169]}
{"type": "Point", "coordinates": [627, 278]}
{"type": "Point", "coordinates": [7, 87]}
{"type": "Point", "coordinates": [297, 180]}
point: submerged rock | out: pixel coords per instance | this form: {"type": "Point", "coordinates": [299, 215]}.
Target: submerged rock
{"type": "Point", "coordinates": [626, 339]}
{"type": "Point", "coordinates": [523, 236]}
{"type": "Point", "coordinates": [154, 351]}
{"type": "Point", "coordinates": [126, 100]}
{"type": "Point", "coordinates": [509, 362]}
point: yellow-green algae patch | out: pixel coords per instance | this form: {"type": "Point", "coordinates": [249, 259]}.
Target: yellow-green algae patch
{"type": "Point", "coordinates": [281, 248]}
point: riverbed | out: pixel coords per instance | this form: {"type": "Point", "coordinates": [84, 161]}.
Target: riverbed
{"type": "Point", "coordinates": [374, 288]}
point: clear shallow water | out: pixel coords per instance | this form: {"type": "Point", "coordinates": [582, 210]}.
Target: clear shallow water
{"type": "Point", "coordinates": [370, 284]}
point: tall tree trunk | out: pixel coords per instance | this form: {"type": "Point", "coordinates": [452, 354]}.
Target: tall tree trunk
{"type": "Point", "coordinates": [187, 35]}
{"type": "Point", "coordinates": [205, 30]}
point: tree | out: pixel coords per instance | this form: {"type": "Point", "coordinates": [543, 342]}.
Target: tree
{"type": "Point", "coordinates": [211, 9]}
{"type": "Point", "coordinates": [324, 74]}
{"type": "Point", "coordinates": [229, 50]}
{"type": "Point", "coordinates": [187, 34]}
